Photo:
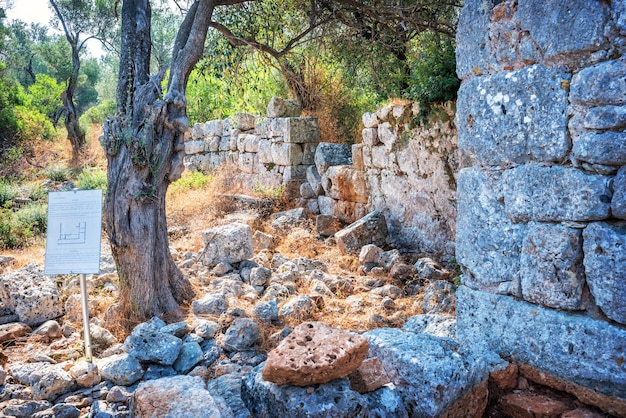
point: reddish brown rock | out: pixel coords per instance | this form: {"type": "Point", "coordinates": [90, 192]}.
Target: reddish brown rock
{"type": "Point", "coordinates": [525, 405]}
{"type": "Point", "coordinates": [315, 353]}
{"type": "Point", "coordinates": [582, 413]}
{"type": "Point", "coordinates": [470, 405]}
{"type": "Point", "coordinates": [611, 405]}
{"type": "Point", "coordinates": [369, 376]}
{"type": "Point", "coordinates": [505, 379]}
{"type": "Point", "coordinates": [12, 331]}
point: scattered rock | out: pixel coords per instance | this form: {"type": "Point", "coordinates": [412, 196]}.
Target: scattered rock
{"type": "Point", "coordinates": [439, 297]}
{"type": "Point", "coordinates": [210, 304]}
{"type": "Point", "coordinates": [287, 220]}
{"type": "Point", "coordinates": [230, 243]}
{"type": "Point", "coordinates": [86, 374]}
{"type": "Point", "coordinates": [371, 229]}
{"type": "Point", "coordinates": [370, 253]}
{"type": "Point", "coordinates": [241, 335]}
{"type": "Point", "coordinates": [521, 405]}
{"type": "Point", "coordinates": [314, 353]}
{"type": "Point", "coordinates": [300, 307]}
{"type": "Point", "coordinates": [263, 241]}
{"type": "Point", "coordinates": [49, 329]}
{"type": "Point", "coordinates": [428, 269]}
{"type": "Point", "coordinates": [327, 225]}
{"type": "Point", "coordinates": [12, 331]}
{"type": "Point", "coordinates": [174, 397]}
{"type": "Point", "coordinates": [149, 345]}
{"type": "Point", "coordinates": [121, 369]}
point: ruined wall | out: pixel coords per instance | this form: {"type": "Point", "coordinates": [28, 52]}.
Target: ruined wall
{"type": "Point", "coordinates": [542, 109]}
{"type": "Point", "coordinates": [403, 170]}
{"type": "Point", "coordinates": [407, 172]}
{"type": "Point", "coordinates": [269, 152]}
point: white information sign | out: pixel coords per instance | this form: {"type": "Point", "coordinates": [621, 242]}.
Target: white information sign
{"type": "Point", "coordinates": [74, 232]}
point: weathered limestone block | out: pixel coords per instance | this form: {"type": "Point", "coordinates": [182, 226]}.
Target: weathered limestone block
{"type": "Point", "coordinates": [315, 353]}
{"type": "Point", "coordinates": [488, 244]}
{"type": "Point", "coordinates": [554, 194]}
{"type": "Point", "coordinates": [194, 147]}
{"type": "Point", "coordinates": [121, 369]}
{"type": "Point", "coordinates": [383, 158]}
{"type": "Point", "coordinates": [605, 117]}
{"type": "Point", "coordinates": [514, 117]}
{"type": "Point", "coordinates": [370, 136]}
{"type": "Point", "coordinates": [607, 148]}
{"type": "Point", "coordinates": [175, 397]}
{"type": "Point", "coordinates": [551, 266]}
{"type": "Point", "coordinates": [329, 154]}
{"type": "Point", "coordinates": [370, 120]}
{"type": "Point", "coordinates": [247, 162]}
{"type": "Point", "coordinates": [419, 365]}
{"type": "Point", "coordinates": [297, 130]}
{"type": "Point", "coordinates": [342, 182]}
{"type": "Point", "coordinates": [212, 144]}
{"type": "Point", "coordinates": [224, 144]}
{"type": "Point", "coordinates": [371, 229]}
{"type": "Point", "coordinates": [267, 399]}
{"type": "Point", "coordinates": [327, 225]}
{"type": "Point", "coordinates": [605, 267]}
{"type": "Point", "coordinates": [281, 108]}
{"type": "Point", "coordinates": [241, 335]}
{"type": "Point", "coordinates": [349, 212]}
{"type": "Point", "coordinates": [242, 121]}
{"type": "Point", "coordinates": [618, 203]}
{"type": "Point", "coordinates": [294, 172]}
{"type": "Point", "coordinates": [327, 205]}
{"type": "Point", "coordinates": [265, 151]}
{"type": "Point", "coordinates": [197, 132]}
{"type": "Point", "coordinates": [473, 54]}
{"type": "Point", "coordinates": [357, 157]}
{"type": "Point", "coordinates": [585, 22]}
{"type": "Point", "coordinates": [286, 154]}
{"type": "Point", "coordinates": [50, 381]}
{"type": "Point", "coordinates": [387, 134]}
{"type": "Point", "coordinates": [601, 84]}
{"type": "Point", "coordinates": [31, 295]}
{"type": "Point", "coordinates": [214, 128]}
{"type": "Point", "coordinates": [228, 243]}
{"type": "Point", "coordinates": [569, 346]}
{"type": "Point", "coordinates": [150, 345]}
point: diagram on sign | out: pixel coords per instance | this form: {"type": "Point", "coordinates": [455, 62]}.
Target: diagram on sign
{"type": "Point", "coordinates": [73, 236]}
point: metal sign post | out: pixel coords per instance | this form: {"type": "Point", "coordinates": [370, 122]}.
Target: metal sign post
{"type": "Point", "coordinates": [73, 241]}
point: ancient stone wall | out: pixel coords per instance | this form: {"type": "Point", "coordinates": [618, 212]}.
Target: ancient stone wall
{"type": "Point", "coordinates": [406, 172]}
{"type": "Point", "coordinates": [540, 236]}
{"type": "Point", "coordinates": [264, 152]}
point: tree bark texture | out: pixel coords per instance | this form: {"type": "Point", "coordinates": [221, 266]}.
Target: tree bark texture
{"type": "Point", "coordinates": [144, 148]}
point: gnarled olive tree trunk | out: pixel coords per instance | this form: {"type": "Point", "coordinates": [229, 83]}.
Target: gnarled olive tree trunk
{"type": "Point", "coordinates": [144, 149]}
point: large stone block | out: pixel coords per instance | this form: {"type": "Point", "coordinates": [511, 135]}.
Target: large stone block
{"type": "Point", "coordinates": [601, 84]}
{"type": "Point", "coordinates": [618, 203]}
{"type": "Point", "coordinates": [230, 243]}
{"type": "Point", "coordinates": [265, 151]}
{"type": "Point", "coordinates": [605, 267]}
{"type": "Point", "coordinates": [286, 154]}
{"type": "Point", "coordinates": [247, 162]}
{"type": "Point", "coordinates": [428, 372]}
{"type": "Point", "coordinates": [555, 194]}
{"type": "Point", "coordinates": [583, 24]}
{"type": "Point", "coordinates": [488, 244]}
{"type": "Point", "coordinates": [194, 147]}
{"type": "Point", "coordinates": [605, 117]}
{"type": "Point", "coordinates": [572, 347]}
{"type": "Point", "coordinates": [370, 136]}
{"type": "Point", "coordinates": [297, 130]}
{"type": "Point", "coordinates": [214, 128]}
{"type": "Point", "coordinates": [551, 266]}
{"type": "Point", "coordinates": [371, 229]}
{"type": "Point", "coordinates": [473, 55]}
{"type": "Point", "coordinates": [514, 117]}
{"type": "Point", "coordinates": [328, 154]}
{"type": "Point", "coordinates": [342, 182]}
{"type": "Point", "coordinates": [607, 148]}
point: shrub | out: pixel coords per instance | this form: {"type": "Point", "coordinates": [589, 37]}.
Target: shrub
{"type": "Point", "coordinates": [36, 191]}
{"type": "Point", "coordinates": [57, 173]}
{"type": "Point", "coordinates": [92, 179]}
{"type": "Point", "coordinates": [17, 229]}
{"type": "Point", "coordinates": [191, 180]}
{"type": "Point", "coordinates": [8, 192]}
{"type": "Point", "coordinates": [97, 114]}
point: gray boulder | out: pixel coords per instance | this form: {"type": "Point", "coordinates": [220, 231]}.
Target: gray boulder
{"type": "Point", "coordinates": [190, 355]}
{"type": "Point", "coordinates": [230, 243]}
{"type": "Point", "coordinates": [437, 325]}
{"type": "Point", "coordinates": [331, 400]}
{"type": "Point", "coordinates": [421, 366]}
{"type": "Point", "coordinates": [50, 382]}
{"type": "Point", "coordinates": [371, 229]}
{"type": "Point", "coordinates": [210, 304]}
{"type": "Point", "coordinates": [120, 369]}
{"type": "Point", "coordinates": [226, 391]}
{"type": "Point", "coordinates": [23, 408]}
{"type": "Point", "coordinates": [150, 345]}
{"type": "Point", "coordinates": [241, 335]}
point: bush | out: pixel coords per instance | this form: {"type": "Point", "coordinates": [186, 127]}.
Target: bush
{"type": "Point", "coordinates": [98, 114]}
{"type": "Point", "coordinates": [57, 173]}
{"type": "Point", "coordinates": [92, 179]}
{"type": "Point", "coordinates": [191, 180]}
{"type": "Point", "coordinates": [8, 192]}
{"type": "Point", "coordinates": [17, 229]}
{"type": "Point", "coordinates": [36, 191]}
{"type": "Point", "coordinates": [433, 73]}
